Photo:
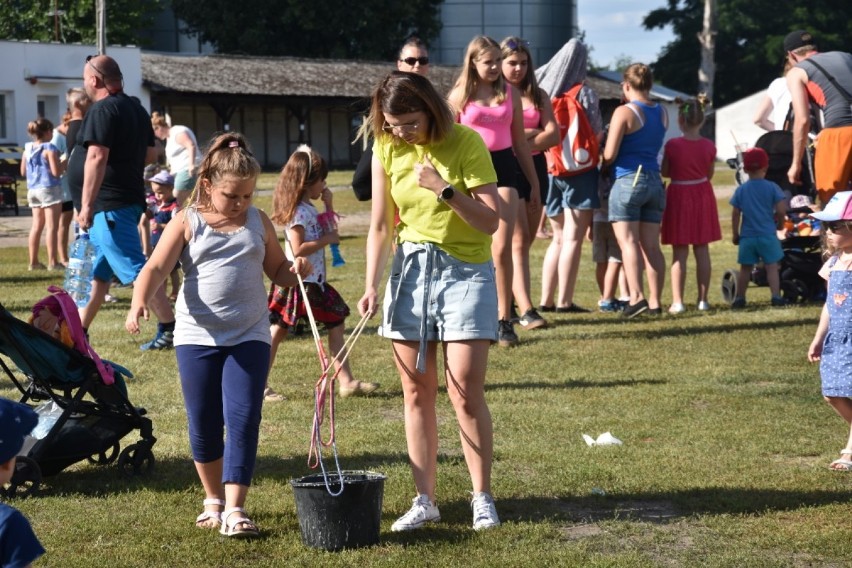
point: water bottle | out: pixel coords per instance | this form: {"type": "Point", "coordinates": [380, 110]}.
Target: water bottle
{"type": "Point", "coordinates": [336, 257]}
{"type": "Point", "coordinates": [79, 274]}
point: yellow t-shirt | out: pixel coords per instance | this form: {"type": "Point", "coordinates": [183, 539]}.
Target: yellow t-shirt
{"type": "Point", "coordinates": [462, 160]}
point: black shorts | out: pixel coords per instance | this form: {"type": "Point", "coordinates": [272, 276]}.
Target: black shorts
{"type": "Point", "coordinates": [540, 165]}
{"type": "Point", "coordinates": [67, 206]}
{"type": "Point", "coordinates": [506, 167]}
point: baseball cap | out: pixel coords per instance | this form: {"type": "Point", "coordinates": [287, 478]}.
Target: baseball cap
{"type": "Point", "coordinates": [800, 200]}
{"type": "Point", "coordinates": [839, 208]}
{"type": "Point", "coordinates": [799, 38]}
{"type": "Point", "coordinates": [16, 421]}
{"type": "Point", "coordinates": [163, 178]}
{"type": "Point", "coordinates": [755, 159]}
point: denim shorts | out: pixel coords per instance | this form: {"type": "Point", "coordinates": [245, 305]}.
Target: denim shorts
{"type": "Point", "coordinates": [604, 244]}
{"type": "Point", "coordinates": [116, 239]}
{"type": "Point", "coordinates": [44, 196]}
{"type": "Point", "coordinates": [573, 192]}
{"type": "Point", "coordinates": [433, 296]}
{"type": "Point", "coordinates": [642, 202]}
{"type": "Point", "coordinates": [754, 249]}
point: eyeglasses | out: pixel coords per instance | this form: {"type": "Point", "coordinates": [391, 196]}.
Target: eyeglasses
{"type": "Point", "coordinates": [92, 65]}
{"type": "Point", "coordinates": [836, 226]}
{"type": "Point", "coordinates": [401, 128]}
{"type": "Point", "coordinates": [412, 60]}
{"type": "Point", "coordinates": [515, 45]}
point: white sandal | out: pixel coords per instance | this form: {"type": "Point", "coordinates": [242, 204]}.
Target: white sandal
{"type": "Point", "coordinates": [242, 527]}
{"type": "Point", "coordinates": [845, 464]}
{"type": "Point", "coordinates": [210, 515]}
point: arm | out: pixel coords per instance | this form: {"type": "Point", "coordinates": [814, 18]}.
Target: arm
{"type": "Point", "coordinates": [301, 247]}
{"type": "Point", "coordinates": [157, 269]}
{"type": "Point", "coordinates": [145, 232]}
{"type": "Point", "coordinates": [184, 140]}
{"type": "Point", "coordinates": [780, 213]}
{"type": "Point", "coordinates": [454, 98]}
{"type": "Point", "coordinates": [548, 135]}
{"type": "Point", "coordinates": [522, 150]}
{"type": "Point", "coordinates": [736, 214]}
{"type": "Point", "coordinates": [93, 176]}
{"type": "Point", "coordinates": [664, 166]}
{"type": "Point", "coordinates": [618, 127]}
{"type": "Point", "coordinates": [711, 169]}
{"type": "Point", "coordinates": [275, 264]}
{"type": "Point", "coordinates": [761, 115]}
{"type": "Point", "coordinates": [378, 239]}
{"type": "Point", "coordinates": [797, 81]}
{"type": "Point", "coordinates": [815, 349]}
{"type": "Point", "coordinates": [24, 165]}
{"type": "Point", "coordinates": [152, 155]}
{"type": "Point", "coordinates": [53, 163]}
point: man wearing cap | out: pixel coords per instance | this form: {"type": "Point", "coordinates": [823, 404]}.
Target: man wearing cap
{"type": "Point", "coordinates": [18, 543]}
{"type": "Point", "coordinates": [825, 79]}
{"type": "Point", "coordinates": [105, 168]}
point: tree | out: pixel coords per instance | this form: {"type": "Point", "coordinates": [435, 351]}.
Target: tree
{"type": "Point", "coordinates": [71, 21]}
{"type": "Point", "coordinates": [750, 34]}
{"type": "Point", "coordinates": [368, 29]}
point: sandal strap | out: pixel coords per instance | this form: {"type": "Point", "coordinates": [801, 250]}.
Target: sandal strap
{"type": "Point", "coordinates": [209, 516]}
{"type": "Point", "coordinates": [846, 451]}
{"type": "Point", "coordinates": [219, 502]}
{"type": "Point", "coordinates": [228, 512]}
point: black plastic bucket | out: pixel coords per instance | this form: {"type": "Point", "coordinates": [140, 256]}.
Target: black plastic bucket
{"type": "Point", "coordinates": [350, 520]}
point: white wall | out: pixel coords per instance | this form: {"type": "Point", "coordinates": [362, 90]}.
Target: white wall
{"type": "Point", "coordinates": [35, 71]}
{"type": "Point", "coordinates": [736, 121]}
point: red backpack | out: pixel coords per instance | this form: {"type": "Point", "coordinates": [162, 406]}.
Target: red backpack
{"type": "Point", "coordinates": [578, 148]}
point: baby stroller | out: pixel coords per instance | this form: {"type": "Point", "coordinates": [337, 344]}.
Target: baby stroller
{"type": "Point", "coordinates": [798, 271]}
{"type": "Point", "coordinates": [778, 145]}
{"type": "Point", "coordinates": [85, 410]}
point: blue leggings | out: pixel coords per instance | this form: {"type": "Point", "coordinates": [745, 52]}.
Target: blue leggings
{"type": "Point", "coordinates": [223, 388]}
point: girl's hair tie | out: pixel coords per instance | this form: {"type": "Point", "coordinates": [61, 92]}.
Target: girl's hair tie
{"type": "Point", "coordinates": [234, 144]}
{"type": "Point", "coordinates": [305, 149]}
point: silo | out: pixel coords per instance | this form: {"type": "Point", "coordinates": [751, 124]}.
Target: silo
{"type": "Point", "coordinates": [546, 24]}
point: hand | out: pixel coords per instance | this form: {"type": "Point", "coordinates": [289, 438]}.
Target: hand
{"type": "Point", "coordinates": [428, 177]}
{"type": "Point", "coordinates": [368, 304]}
{"type": "Point", "coordinates": [736, 239]}
{"type": "Point", "coordinates": [332, 238]}
{"type": "Point", "coordinates": [535, 195]}
{"type": "Point", "coordinates": [815, 352]}
{"type": "Point", "coordinates": [794, 173]}
{"type": "Point", "coordinates": [327, 198]}
{"type": "Point", "coordinates": [131, 324]}
{"type": "Point", "coordinates": [84, 218]}
{"type": "Point", "coordinates": [302, 267]}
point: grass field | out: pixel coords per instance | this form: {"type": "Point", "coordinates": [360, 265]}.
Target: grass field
{"type": "Point", "coordinates": [726, 443]}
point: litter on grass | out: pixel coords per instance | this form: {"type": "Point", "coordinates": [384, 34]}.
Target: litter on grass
{"type": "Point", "coordinates": [605, 439]}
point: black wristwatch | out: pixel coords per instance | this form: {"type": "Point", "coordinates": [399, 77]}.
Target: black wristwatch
{"type": "Point", "coordinates": [447, 193]}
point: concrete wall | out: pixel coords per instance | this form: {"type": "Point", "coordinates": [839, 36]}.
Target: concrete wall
{"type": "Point", "coordinates": [36, 77]}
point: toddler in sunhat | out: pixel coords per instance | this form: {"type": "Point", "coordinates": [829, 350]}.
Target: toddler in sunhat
{"type": "Point", "coordinates": [18, 544]}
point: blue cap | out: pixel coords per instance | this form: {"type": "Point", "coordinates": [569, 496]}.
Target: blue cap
{"type": "Point", "coordinates": [16, 421]}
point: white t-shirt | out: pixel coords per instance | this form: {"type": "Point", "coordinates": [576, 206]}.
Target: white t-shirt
{"type": "Point", "coordinates": [781, 99]}
{"type": "Point", "coordinates": [177, 156]}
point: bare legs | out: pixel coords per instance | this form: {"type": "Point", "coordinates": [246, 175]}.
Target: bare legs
{"type": "Point", "coordinates": [640, 248]}
{"type": "Point", "coordinates": [159, 304]}
{"type": "Point", "coordinates": [501, 250]}
{"type": "Point", "coordinates": [522, 239]}
{"type": "Point", "coordinates": [45, 219]}
{"type": "Point", "coordinates": [680, 254]}
{"type": "Point", "coordinates": [577, 222]}
{"type": "Point", "coordinates": [65, 218]}
{"type": "Point", "coordinates": [465, 363]}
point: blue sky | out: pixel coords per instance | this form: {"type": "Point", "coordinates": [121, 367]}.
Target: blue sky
{"type": "Point", "coordinates": [614, 28]}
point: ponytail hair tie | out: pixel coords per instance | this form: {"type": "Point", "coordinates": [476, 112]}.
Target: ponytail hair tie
{"type": "Point", "coordinates": [304, 148]}
{"type": "Point", "coordinates": [234, 144]}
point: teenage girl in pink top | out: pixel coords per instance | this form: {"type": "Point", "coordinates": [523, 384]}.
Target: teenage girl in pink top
{"type": "Point", "coordinates": [482, 101]}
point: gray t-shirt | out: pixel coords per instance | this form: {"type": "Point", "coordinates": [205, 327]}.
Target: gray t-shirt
{"type": "Point", "coordinates": [223, 299]}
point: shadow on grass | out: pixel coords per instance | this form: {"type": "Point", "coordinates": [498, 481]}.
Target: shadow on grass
{"type": "Point", "coordinates": [696, 330]}
{"type": "Point", "coordinates": [572, 384]}
{"type": "Point", "coordinates": [665, 507]}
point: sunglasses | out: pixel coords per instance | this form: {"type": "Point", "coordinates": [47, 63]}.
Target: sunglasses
{"type": "Point", "coordinates": [836, 226]}
{"type": "Point", "coordinates": [92, 65]}
{"type": "Point", "coordinates": [412, 60]}
{"type": "Point", "coordinates": [515, 45]}
{"type": "Point", "coordinates": [401, 128]}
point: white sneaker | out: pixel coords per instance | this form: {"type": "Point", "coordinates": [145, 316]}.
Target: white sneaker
{"type": "Point", "coordinates": [422, 511]}
{"type": "Point", "coordinates": [703, 306]}
{"type": "Point", "coordinates": [484, 511]}
{"type": "Point", "coordinates": [677, 309]}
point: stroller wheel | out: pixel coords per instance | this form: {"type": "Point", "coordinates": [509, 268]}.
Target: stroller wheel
{"type": "Point", "coordinates": [729, 286]}
{"type": "Point", "coordinates": [105, 458]}
{"type": "Point", "coordinates": [795, 291]}
{"type": "Point", "coordinates": [136, 459]}
{"type": "Point", "coordinates": [26, 479]}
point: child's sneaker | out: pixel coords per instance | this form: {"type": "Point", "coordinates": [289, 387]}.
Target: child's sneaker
{"type": "Point", "coordinates": [778, 301]}
{"type": "Point", "coordinates": [163, 340]}
{"type": "Point", "coordinates": [609, 306]}
{"type": "Point", "coordinates": [703, 306]}
{"type": "Point", "coordinates": [506, 336]}
{"type": "Point", "coordinates": [484, 511]}
{"type": "Point", "coordinates": [738, 303]}
{"type": "Point", "coordinates": [677, 309]}
{"type": "Point", "coordinates": [422, 511]}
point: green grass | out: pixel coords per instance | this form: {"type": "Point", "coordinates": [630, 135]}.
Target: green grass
{"type": "Point", "coordinates": [726, 442]}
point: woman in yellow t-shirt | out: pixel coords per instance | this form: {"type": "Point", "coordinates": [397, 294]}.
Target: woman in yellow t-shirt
{"type": "Point", "coordinates": [441, 290]}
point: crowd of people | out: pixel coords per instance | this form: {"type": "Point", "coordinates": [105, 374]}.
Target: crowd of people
{"type": "Point", "coordinates": [459, 183]}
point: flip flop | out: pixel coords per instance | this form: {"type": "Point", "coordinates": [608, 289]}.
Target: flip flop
{"type": "Point", "coordinates": [841, 464]}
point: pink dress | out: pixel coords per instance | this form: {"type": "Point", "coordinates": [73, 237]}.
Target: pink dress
{"type": "Point", "coordinates": [690, 216]}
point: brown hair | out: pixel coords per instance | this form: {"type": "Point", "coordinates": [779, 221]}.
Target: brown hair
{"type": "Point", "coordinates": [468, 77]}
{"type": "Point", "coordinates": [227, 155]}
{"type": "Point", "coordinates": [404, 93]}
{"type": "Point", "coordinates": [639, 77]}
{"type": "Point", "coordinates": [158, 120]}
{"type": "Point", "coordinates": [691, 111]}
{"type": "Point", "coordinates": [39, 128]}
{"type": "Point", "coordinates": [529, 84]}
{"type": "Point", "coordinates": [304, 168]}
